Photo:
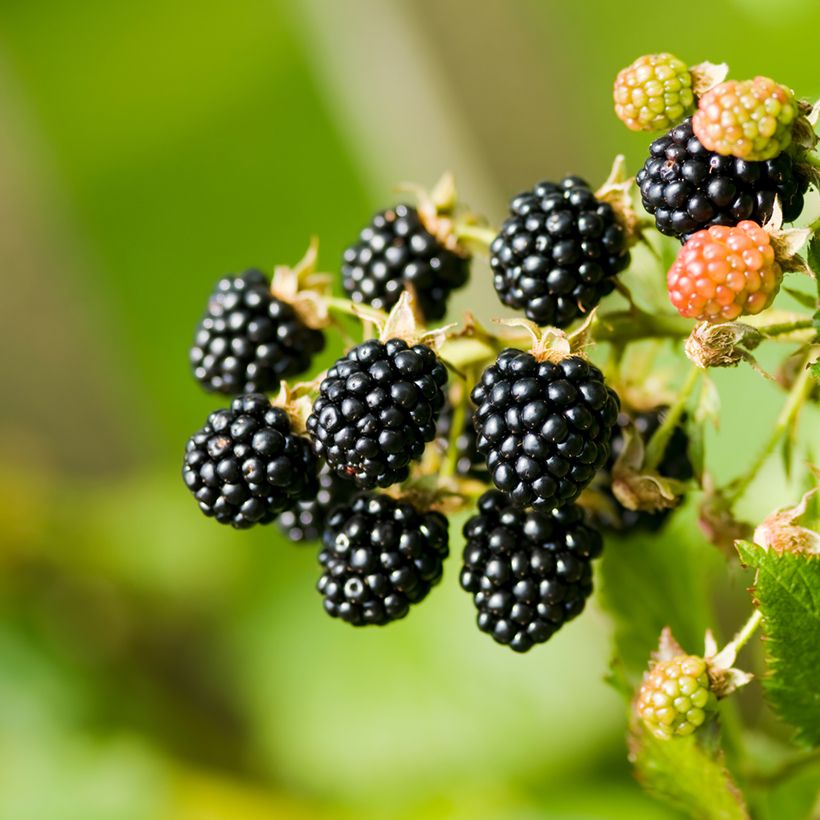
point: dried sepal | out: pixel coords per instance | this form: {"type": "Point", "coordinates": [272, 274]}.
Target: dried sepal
{"type": "Point", "coordinates": [668, 647]}
{"type": "Point", "coordinates": [706, 76]}
{"type": "Point", "coordinates": [786, 242]}
{"type": "Point", "coordinates": [723, 345]}
{"type": "Point", "coordinates": [785, 530]}
{"type": "Point", "coordinates": [716, 520]}
{"type": "Point", "coordinates": [296, 402]}
{"type": "Point", "coordinates": [303, 288]}
{"type": "Point", "coordinates": [405, 322]}
{"type": "Point", "coordinates": [617, 192]}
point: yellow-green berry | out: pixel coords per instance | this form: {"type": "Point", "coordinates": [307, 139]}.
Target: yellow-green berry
{"type": "Point", "coordinates": [675, 697]}
{"type": "Point", "coordinates": [751, 119]}
{"type": "Point", "coordinates": [654, 93]}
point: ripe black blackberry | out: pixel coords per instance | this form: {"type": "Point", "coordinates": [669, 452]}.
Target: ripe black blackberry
{"type": "Point", "coordinates": [380, 555]}
{"type": "Point", "coordinates": [544, 428]}
{"type": "Point", "coordinates": [395, 250]}
{"type": "Point", "coordinates": [246, 465]}
{"type": "Point", "coordinates": [529, 571]}
{"type": "Point", "coordinates": [688, 188]}
{"type": "Point", "coordinates": [306, 521]}
{"type": "Point", "coordinates": [612, 515]}
{"type": "Point", "coordinates": [377, 407]}
{"type": "Point", "coordinates": [248, 340]}
{"type": "Point", "coordinates": [558, 252]}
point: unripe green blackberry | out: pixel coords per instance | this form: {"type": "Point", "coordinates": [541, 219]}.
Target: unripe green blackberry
{"type": "Point", "coordinates": [654, 93]}
{"type": "Point", "coordinates": [675, 697]}
{"type": "Point", "coordinates": [751, 120]}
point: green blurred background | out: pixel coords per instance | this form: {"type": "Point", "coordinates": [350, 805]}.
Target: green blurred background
{"type": "Point", "coordinates": [153, 664]}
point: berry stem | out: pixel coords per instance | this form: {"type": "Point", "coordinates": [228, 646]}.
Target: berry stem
{"type": "Point", "coordinates": [631, 325]}
{"type": "Point", "coordinates": [788, 413]}
{"type": "Point", "coordinates": [450, 465]}
{"type": "Point", "coordinates": [657, 444]}
{"type": "Point", "coordinates": [786, 327]}
{"type": "Point", "coordinates": [477, 234]}
{"type": "Point", "coordinates": [747, 630]}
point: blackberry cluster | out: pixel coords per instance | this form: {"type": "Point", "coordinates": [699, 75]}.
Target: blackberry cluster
{"type": "Point", "coordinates": [558, 252]}
{"type": "Point", "coordinates": [395, 250]}
{"type": "Point", "coordinates": [377, 408]}
{"type": "Point", "coordinates": [688, 188]}
{"type": "Point", "coordinates": [306, 521]}
{"type": "Point", "coordinates": [544, 428]}
{"type": "Point", "coordinates": [380, 555]}
{"type": "Point", "coordinates": [246, 465]}
{"type": "Point", "coordinates": [249, 340]}
{"type": "Point", "coordinates": [674, 464]}
{"type": "Point", "coordinates": [529, 571]}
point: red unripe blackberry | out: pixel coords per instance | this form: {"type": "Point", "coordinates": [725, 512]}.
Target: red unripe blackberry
{"type": "Point", "coordinates": [674, 464]}
{"type": "Point", "coordinates": [377, 408]}
{"type": "Point", "coordinates": [396, 250]}
{"type": "Point", "coordinates": [543, 428]}
{"type": "Point", "coordinates": [557, 252]}
{"type": "Point", "coordinates": [380, 556]}
{"type": "Point", "coordinates": [249, 340]}
{"type": "Point", "coordinates": [723, 273]}
{"type": "Point", "coordinates": [529, 571]}
{"type": "Point", "coordinates": [654, 93]}
{"type": "Point", "coordinates": [246, 465]}
{"type": "Point", "coordinates": [750, 119]}
{"type": "Point", "coordinates": [305, 521]}
{"type": "Point", "coordinates": [688, 188]}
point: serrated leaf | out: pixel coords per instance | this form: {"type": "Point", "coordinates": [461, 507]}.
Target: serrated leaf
{"type": "Point", "coordinates": [687, 772]}
{"type": "Point", "coordinates": [787, 591]}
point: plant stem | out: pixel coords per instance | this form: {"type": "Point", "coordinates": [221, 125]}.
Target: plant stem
{"type": "Point", "coordinates": [747, 630]}
{"type": "Point", "coordinates": [657, 444]}
{"type": "Point", "coordinates": [478, 234]}
{"type": "Point", "coordinates": [629, 326]}
{"type": "Point", "coordinates": [456, 425]}
{"type": "Point", "coordinates": [791, 407]}
{"type": "Point", "coordinates": [785, 327]}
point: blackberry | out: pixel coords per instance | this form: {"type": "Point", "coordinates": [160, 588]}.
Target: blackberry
{"type": "Point", "coordinates": [248, 340]}
{"type": "Point", "coordinates": [688, 188]}
{"type": "Point", "coordinates": [529, 571]}
{"type": "Point", "coordinates": [306, 520]}
{"type": "Point", "coordinates": [557, 252]}
{"type": "Point", "coordinates": [380, 555]}
{"type": "Point", "coordinates": [544, 428]}
{"type": "Point", "coordinates": [377, 407]}
{"type": "Point", "coordinates": [674, 464]}
{"type": "Point", "coordinates": [246, 465]}
{"type": "Point", "coordinates": [395, 250]}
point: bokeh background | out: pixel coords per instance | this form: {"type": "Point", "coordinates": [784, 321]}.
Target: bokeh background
{"type": "Point", "coordinates": [153, 664]}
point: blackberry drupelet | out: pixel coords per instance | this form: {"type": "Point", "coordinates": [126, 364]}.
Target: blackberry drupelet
{"type": "Point", "coordinates": [688, 188]}
{"type": "Point", "coordinates": [543, 428]}
{"type": "Point", "coordinates": [395, 250]}
{"type": "Point", "coordinates": [529, 571]}
{"type": "Point", "coordinates": [377, 407]}
{"type": "Point", "coordinates": [246, 465]}
{"type": "Point", "coordinates": [675, 464]}
{"type": "Point", "coordinates": [306, 521]}
{"type": "Point", "coordinates": [248, 340]}
{"type": "Point", "coordinates": [557, 252]}
{"type": "Point", "coordinates": [380, 555]}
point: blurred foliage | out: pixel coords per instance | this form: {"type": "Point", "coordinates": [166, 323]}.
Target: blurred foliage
{"type": "Point", "coordinates": [157, 666]}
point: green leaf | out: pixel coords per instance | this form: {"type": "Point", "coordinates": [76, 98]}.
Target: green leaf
{"type": "Point", "coordinates": [787, 591]}
{"type": "Point", "coordinates": [687, 772]}
{"type": "Point", "coordinates": [814, 369]}
{"type": "Point", "coordinates": [805, 299]}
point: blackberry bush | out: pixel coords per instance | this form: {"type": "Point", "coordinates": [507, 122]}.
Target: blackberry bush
{"type": "Point", "coordinates": [380, 556]}
{"type": "Point", "coordinates": [543, 427]}
{"type": "Point", "coordinates": [246, 464]}
{"type": "Point", "coordinates": [558, 252]}
{"type": "Point", "coordinates": [688, 188]}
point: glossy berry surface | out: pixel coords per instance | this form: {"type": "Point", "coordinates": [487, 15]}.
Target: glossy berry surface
{"type": "Point", "coordinates": [528, 571]}
{"type": "Point", "coordinates": [688, 188]}
{"type": "Point", "coordinates": [377, 408]}
{"type": "Point", "coordinates": [246, 465]}
{"type": "Point", "coordinates": [305, 521]}
{"type": "Point", "coordinates": [557, 252]}
{"type": "Point", "coordinates": [396, 250]}
{"type": "Point", "coordinates": [248, 340]}
{"type": "Point", "coordinates": [607, 513]}
{"type": "Point", "coordinates": [654, 93]}
{"type": "Point", "coordinates": [543, 428]}
{"type": "Point", "coordinates": [749, 119]}
{"type": "Point", "coordinates": [675, 697]}
{"type": "Point", "coordinates": [723, 273]}
{"type": "Point", "coordinates": [380, 556]}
